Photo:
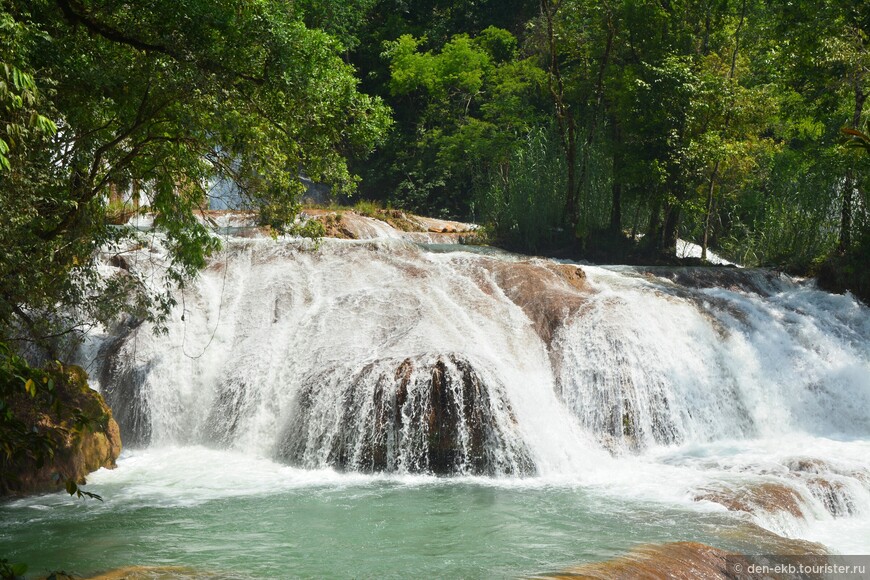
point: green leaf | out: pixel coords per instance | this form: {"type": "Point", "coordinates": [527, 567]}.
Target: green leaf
{"type": "Point", "coordinates": [19, 569]}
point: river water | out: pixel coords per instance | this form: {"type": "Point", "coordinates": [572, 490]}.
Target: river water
{"type": "Point", "coordinates": [289, 424]}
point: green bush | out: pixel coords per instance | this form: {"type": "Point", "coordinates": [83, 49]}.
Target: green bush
{"type": "Point", "coordinates": [524, 206]}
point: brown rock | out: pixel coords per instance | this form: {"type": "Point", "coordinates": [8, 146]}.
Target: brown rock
{"type": "Point", "coordinates": [427, 413]}
{"type": "Point", "coordinates": [827, 483]}
{"type": "Point", "coordinates": [157, 573]}
{"type": "Point", "coordinates": [349, 224]}
{"type": "Point", "coordinates": [690, 561]}
{"type": "Point", "coordinates": [808, 465]}
{"type": "Point", "coordinates": [750, 538]}
{"type": "Point", "coordinates": [679, 560]}
{"type": "Point", "coordinates": [548, 293]}
{"type": "Point", "coordinates": [765, 497]}
{"type": "Point", "coordinates": [79, 447]}
{"type": "Point", "coordinates": [833, 494]}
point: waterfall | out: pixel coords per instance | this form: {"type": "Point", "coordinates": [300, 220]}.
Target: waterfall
{"type": "Point", "coordinates": [373, 355]}
{"type": "Point", "coordinates": [722, 387]}
{"type": "Point", "coordinates": [429, 414]}
{"type": "Point", "coordinates": [279, 348]}
{"type": "Point", "coordinates": [650, 361]}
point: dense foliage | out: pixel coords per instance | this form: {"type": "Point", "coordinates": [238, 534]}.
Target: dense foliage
{"type": "Point", "coordinates": [598, 128]}
{"type": "Point", "coordinates": [157, 101]}
{"type": "Point", "coordinates": [718, 121]}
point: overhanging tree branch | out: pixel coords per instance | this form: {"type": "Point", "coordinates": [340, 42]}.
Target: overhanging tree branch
{"type": "Point", "coordinates": [76, 13]}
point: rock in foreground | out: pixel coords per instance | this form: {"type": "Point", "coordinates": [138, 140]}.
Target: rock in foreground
{"type": "Point", "coordinates": [680, 560]}
{"type": "Point", "coordinates": [75, 421]}
{"type": "Point", "coordinates": [424, 414]}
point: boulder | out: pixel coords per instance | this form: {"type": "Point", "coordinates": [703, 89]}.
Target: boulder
{"type": "Point", "coordinates": [422, 414]}
{"type": "Point", "coordinates": [80, 426]}
{"type": "Point", "coordinates": [153, 573]}
{"type": "Point", "coordinates": [548, 293]}
{"type": "Point", "coordinates": [827, 483]}
{"type": "Point", "coordinates": [691, 560]}
{"type": "Point", "coordinates": [678, 560]}
{"type": "Point", "coordinates": [767, 497]}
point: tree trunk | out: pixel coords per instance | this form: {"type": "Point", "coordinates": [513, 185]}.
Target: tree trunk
{"type": "Point", "coordinates": [849, 183]}
{"type": "Point", "coordinates": [708, 217]}
{"type": "Point", "coordinates": [653, 231]}
{"type": "Point", "coordinates": [564, 116]}
{"type": "Point", "coordinates": [669, 234]}
{"type": "Point", "coordinates": [616, 203]}
{"type": "Point", "coordinates": [571, 160]}
{"type": "Point", "coordinates": [635, 222]}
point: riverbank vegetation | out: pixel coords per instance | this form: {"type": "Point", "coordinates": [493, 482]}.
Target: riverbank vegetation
{"type": "Point", "coordinates": [589, 128]}
{"type": "Point", "coordinates": [610, 129]}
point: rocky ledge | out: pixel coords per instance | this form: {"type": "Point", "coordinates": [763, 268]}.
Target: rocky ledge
{"type": "Point", "coordinates": [352, 224]}
{"type": "Point", "coordinates": [435, 413]}
{"type": "Point", "coordinates": [690, 561]}
{"type": "Point", "coordinates": [687, 560]}
{"type": "Point", "coordinates": [72, 430]}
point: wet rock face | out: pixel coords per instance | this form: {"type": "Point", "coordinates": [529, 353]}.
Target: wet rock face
{"type": "Point", "coordinates": [760, 282]}
{"type": "Point", "coordinates": [152, 573]}
{"type": "Point", "coordinates": [693, 560]}
{"type": "Point", "coordinates": [424, 414]}
{"type": "Point", "coordinates": [122, 380]}
{"type": "Point", "coordinates": [804, 481]}
{"type": "Point", "coordinates": [351, 225]}
{"type": "Point", "coordinates": [689, 560]}
{"type": "Point", "coordinates": [234, 403]}
{"type": "Point", "coordinates": [829, 485]}
{"type": "Point", "coordinates": [630, 420]}
{"type": "Point", "coordinates": [548, 293]}
{"type": "Point", "coordinates": [834, 495]}
{"type": "Point", "coordinates": [122, 385]}
{"type": "Point", "coordinates": [766, 497]}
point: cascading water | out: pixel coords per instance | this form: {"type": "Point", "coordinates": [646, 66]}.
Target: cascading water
{"type": "Point", "coordinates": [310, 355]}
{"type": "Point", "coordinates": [382, 356]}
{"type": "Point", "coordinates": [688, 389]}
{"type": "Point", "coordinates": [647, 362]}
{"type": "Point", "coordinates": [429, 414]}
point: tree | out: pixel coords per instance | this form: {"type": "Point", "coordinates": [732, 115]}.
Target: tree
{"type": "Point", "coordinates": [827, 62]}
{"type": "Point", "coordinates": [164, 98]}
{"type": "Point", "coordinates": [474, 98]}
{"type": "Point", "coordinates": [577, 45]}
{"type": "Point", "coordinates": [160, 100]}
{"type": "Point", "coordinates": [19, 97]}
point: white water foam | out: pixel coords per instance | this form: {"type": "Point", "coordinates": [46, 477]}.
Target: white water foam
{"type": "Point", "coordinates": [689, 250]}
{"type": "Point", "coordinates": [686, 386]}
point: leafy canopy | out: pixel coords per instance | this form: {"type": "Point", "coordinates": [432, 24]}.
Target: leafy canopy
{"type": "Point", "coordinates": [158, 100]}
{"type": "Point", "coordinates": [474, 98]}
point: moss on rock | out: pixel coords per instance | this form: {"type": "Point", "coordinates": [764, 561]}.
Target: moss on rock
{"type": "Point", "coordinates": [70, 432]}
